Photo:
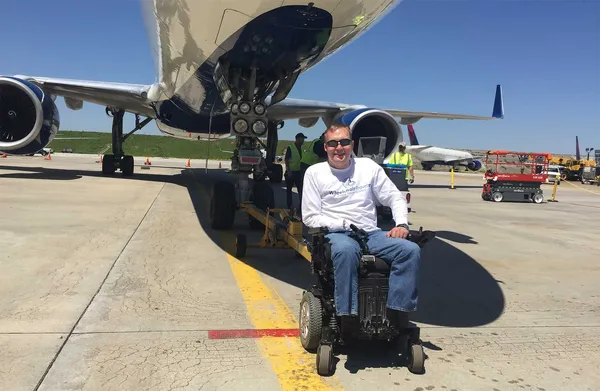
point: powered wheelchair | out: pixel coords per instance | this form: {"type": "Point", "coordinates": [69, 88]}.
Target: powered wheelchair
{"type": "Point", "coordinates": [320, 327]}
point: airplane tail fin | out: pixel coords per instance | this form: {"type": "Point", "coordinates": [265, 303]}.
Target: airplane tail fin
{"type": "Point", "coordinates": [498, 111]}
{"type": "Point", "coordinates": [577, 155]}
{"type": "Point", "coordinates": [412, 135]}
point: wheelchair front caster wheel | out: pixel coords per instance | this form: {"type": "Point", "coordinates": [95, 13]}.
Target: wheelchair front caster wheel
{"type": "Point", "coordinates": [416, 359]}
{"type": "Point", "coordinates": [325, 360]}
{"type": "Point", "coordinates": [240, 246]}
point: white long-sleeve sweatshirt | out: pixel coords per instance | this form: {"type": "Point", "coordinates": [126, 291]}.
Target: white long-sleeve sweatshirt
{"type": "Point", "coordinates": [336, 198]}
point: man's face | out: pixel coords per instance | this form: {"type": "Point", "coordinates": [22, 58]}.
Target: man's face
{"type": "Point", "coordinates": [338, 146]}
{"type": "Point", "coordinates": [299, 140]}
{"type": "Point", "coordinates": [402, 149]}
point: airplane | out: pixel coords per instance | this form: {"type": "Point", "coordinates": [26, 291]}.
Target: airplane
{"type": "Point", "coordinates": [224, 68]}
{"type": "Point", "coordinates": [429, 156]}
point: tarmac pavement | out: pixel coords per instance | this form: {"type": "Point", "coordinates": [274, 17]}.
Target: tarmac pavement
{"type": "Point", "coordinates": [119, 283]}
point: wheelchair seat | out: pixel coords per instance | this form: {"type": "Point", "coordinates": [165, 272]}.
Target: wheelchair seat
{"type": "Point", "coordinates": [373, 264]}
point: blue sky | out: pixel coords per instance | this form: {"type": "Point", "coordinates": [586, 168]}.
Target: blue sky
{"type": "Point", "coordinates": [426, 55]}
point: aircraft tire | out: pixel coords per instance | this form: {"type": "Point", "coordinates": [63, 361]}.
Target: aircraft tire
{"type": "Point", "coordinates": [276, 173]}
{"type": "Point", "coordinates": [263, 197]}
{"type": "Point", "coordinates": [222, 205]}
{"type": "Point", "coordinates": [127, 165]}
{"type": "Point", "coordinates": [108, 165]}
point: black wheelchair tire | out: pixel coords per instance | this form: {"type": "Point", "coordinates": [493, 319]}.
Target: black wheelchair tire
{"type": "Point", "coordinates": [310, 321]}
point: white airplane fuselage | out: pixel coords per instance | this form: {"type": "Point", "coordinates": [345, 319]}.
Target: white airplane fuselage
{"type": "Point", "coordinates": [205, 49]}
{"type": "Point", "coordinates": [430, 156]}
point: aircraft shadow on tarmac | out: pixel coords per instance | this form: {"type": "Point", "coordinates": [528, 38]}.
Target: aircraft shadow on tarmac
{"type": "Point", "coordinates": [454, 290]}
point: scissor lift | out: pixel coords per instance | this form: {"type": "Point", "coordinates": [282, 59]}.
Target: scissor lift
{"type": "Point", "coordinates": [515, 176]}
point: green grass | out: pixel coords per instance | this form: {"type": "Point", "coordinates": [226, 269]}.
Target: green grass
{"type": "Point", "coordinates": [149, 145]}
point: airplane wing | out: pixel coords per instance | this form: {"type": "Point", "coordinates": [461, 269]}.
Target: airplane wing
{"type": "Point", "coordinates": [136, 98]}
{"type": "Point", "coordinates": [309, 110]}
{"type": "Point", "coordinates": [129, 97]}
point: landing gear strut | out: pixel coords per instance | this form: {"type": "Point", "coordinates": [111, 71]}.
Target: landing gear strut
{"type": "Point", "coordinates": [247, 159]}
{"type": "Point", "coordinates": [245, 91]}
{"type": "Point", "coordinates": [118, 160]}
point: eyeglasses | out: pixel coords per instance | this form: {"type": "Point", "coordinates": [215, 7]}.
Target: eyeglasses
{"type": "Point", "coordinates": [334, 143]}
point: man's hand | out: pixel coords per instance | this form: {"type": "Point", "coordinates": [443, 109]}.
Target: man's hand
{"type": "Point", "coordinates": [397, 232]}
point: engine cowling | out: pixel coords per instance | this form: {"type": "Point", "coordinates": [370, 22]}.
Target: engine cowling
{"type": "Point", "coordinates": [29, 118]}
{"type": "Point", "coordinates": [372, 123]}
{"type": "Point", "coordinates": [475, 165]}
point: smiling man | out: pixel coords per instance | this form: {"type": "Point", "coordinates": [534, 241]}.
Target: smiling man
{"type": "Point", "coordinates": [343, 191]}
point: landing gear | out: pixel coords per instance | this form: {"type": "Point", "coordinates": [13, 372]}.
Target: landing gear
{"type": "Point", "coordinates": [248, 159]}
{"type": "Point", "coordinates": [118, 160]}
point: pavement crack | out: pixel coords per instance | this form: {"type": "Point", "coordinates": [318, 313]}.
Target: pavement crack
{"type": "Point", "coordinates": [68, 337]}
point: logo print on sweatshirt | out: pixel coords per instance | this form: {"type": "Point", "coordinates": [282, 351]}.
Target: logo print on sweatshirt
{"type": "Point", "coordinates": [350, 187]}
{"type": "Point", "coordinates": [349, 182]}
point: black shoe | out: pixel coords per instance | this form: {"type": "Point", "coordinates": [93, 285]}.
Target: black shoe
{"type": "Point", "coordinates": [398, 319]}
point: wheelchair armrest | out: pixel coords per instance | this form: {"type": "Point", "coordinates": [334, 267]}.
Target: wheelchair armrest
{"type": "Point", "coordinates": [318, 230]}
{"type": "Point", "coordinates": [421, 237]}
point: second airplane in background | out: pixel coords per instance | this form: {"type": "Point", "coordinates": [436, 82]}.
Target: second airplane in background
{"type": "Point", "coordinates": [429, 156]}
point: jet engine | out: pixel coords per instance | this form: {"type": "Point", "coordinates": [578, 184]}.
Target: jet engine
{"type": "Point", "coordinates": [475, 165]}
{"type": "Point", "coordinates": [372, 123]}
{"type": "Point", "coordinates": [29, 118]}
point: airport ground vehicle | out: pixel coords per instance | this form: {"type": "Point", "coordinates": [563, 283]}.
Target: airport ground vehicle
{"type": "Point", "coordinates": [590, 175]}
{"type": "Point", "coordinates": [509, 177]}
{"type": "Point", "coordinates": [573, 169]}
{"type": "Point", "coordinates": [554, 174]}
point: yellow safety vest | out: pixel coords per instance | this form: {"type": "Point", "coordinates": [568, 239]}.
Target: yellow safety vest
{"type": "Point", "coordinates": [404, 159]}
{"type": "Point", "coordinates": [309, 157]}
{"type": "Point", "coordinates": [295, 158]}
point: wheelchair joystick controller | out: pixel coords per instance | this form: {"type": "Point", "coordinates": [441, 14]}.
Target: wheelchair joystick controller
{"type": "Point", "coordinates": [361, 236]}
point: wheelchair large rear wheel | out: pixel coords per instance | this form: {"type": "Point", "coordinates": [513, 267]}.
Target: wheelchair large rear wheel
{"type": "Point", "coordinates": [310, 321]}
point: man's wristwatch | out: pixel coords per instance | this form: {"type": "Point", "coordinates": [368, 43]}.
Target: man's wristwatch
{"type": "Point", "coordinates": [405, 226]}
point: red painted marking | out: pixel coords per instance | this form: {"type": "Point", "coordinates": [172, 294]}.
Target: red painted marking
{"type": "Point", "coordinates": [252, 333]}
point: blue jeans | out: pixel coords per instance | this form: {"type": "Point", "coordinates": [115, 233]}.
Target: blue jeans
{"type": "Point", "coordinates": [403, 255]}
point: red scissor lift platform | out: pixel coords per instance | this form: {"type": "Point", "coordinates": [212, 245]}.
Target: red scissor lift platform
{"type": "Point", "coordinates": [515, 176]}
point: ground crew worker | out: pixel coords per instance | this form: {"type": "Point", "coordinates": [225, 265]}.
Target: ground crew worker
{"type": "Point", "coordinates": [293, 172]}
{"type": "Point", "coordinates": [314, 153]}
{"type": "Point", "coordinates": [404, 159]}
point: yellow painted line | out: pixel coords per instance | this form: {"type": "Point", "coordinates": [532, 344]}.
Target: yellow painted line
{"type": "Point", "coordinates": [581, 188]}
{"type": "Point", "coordinates": [295, 368]}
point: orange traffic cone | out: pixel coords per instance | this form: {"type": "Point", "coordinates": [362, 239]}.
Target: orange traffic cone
{"type": "Point", "coordinates": [147, 161]}
{"type": "Point", "coordinates": [219, 164]}
{"type": "Point", "coordinates": [188, 163]}
{"type": "Point", "coordinates": [3, 156]}
{"type": "Point", "coordinates": [100, 158]}
{"type": "Point", "coordinates": [48, 157]}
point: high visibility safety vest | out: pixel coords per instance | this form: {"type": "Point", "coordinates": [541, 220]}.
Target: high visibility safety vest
{"type": "Point", "coordinates": [402, 160]}
{"type": "Point", "coordinates": [295, 158]}
{"type": "Point", "coordinates": [309, 157]}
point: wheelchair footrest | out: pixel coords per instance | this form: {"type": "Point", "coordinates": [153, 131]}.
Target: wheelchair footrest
{"type": "Point", "coordinates": [372, 300]}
